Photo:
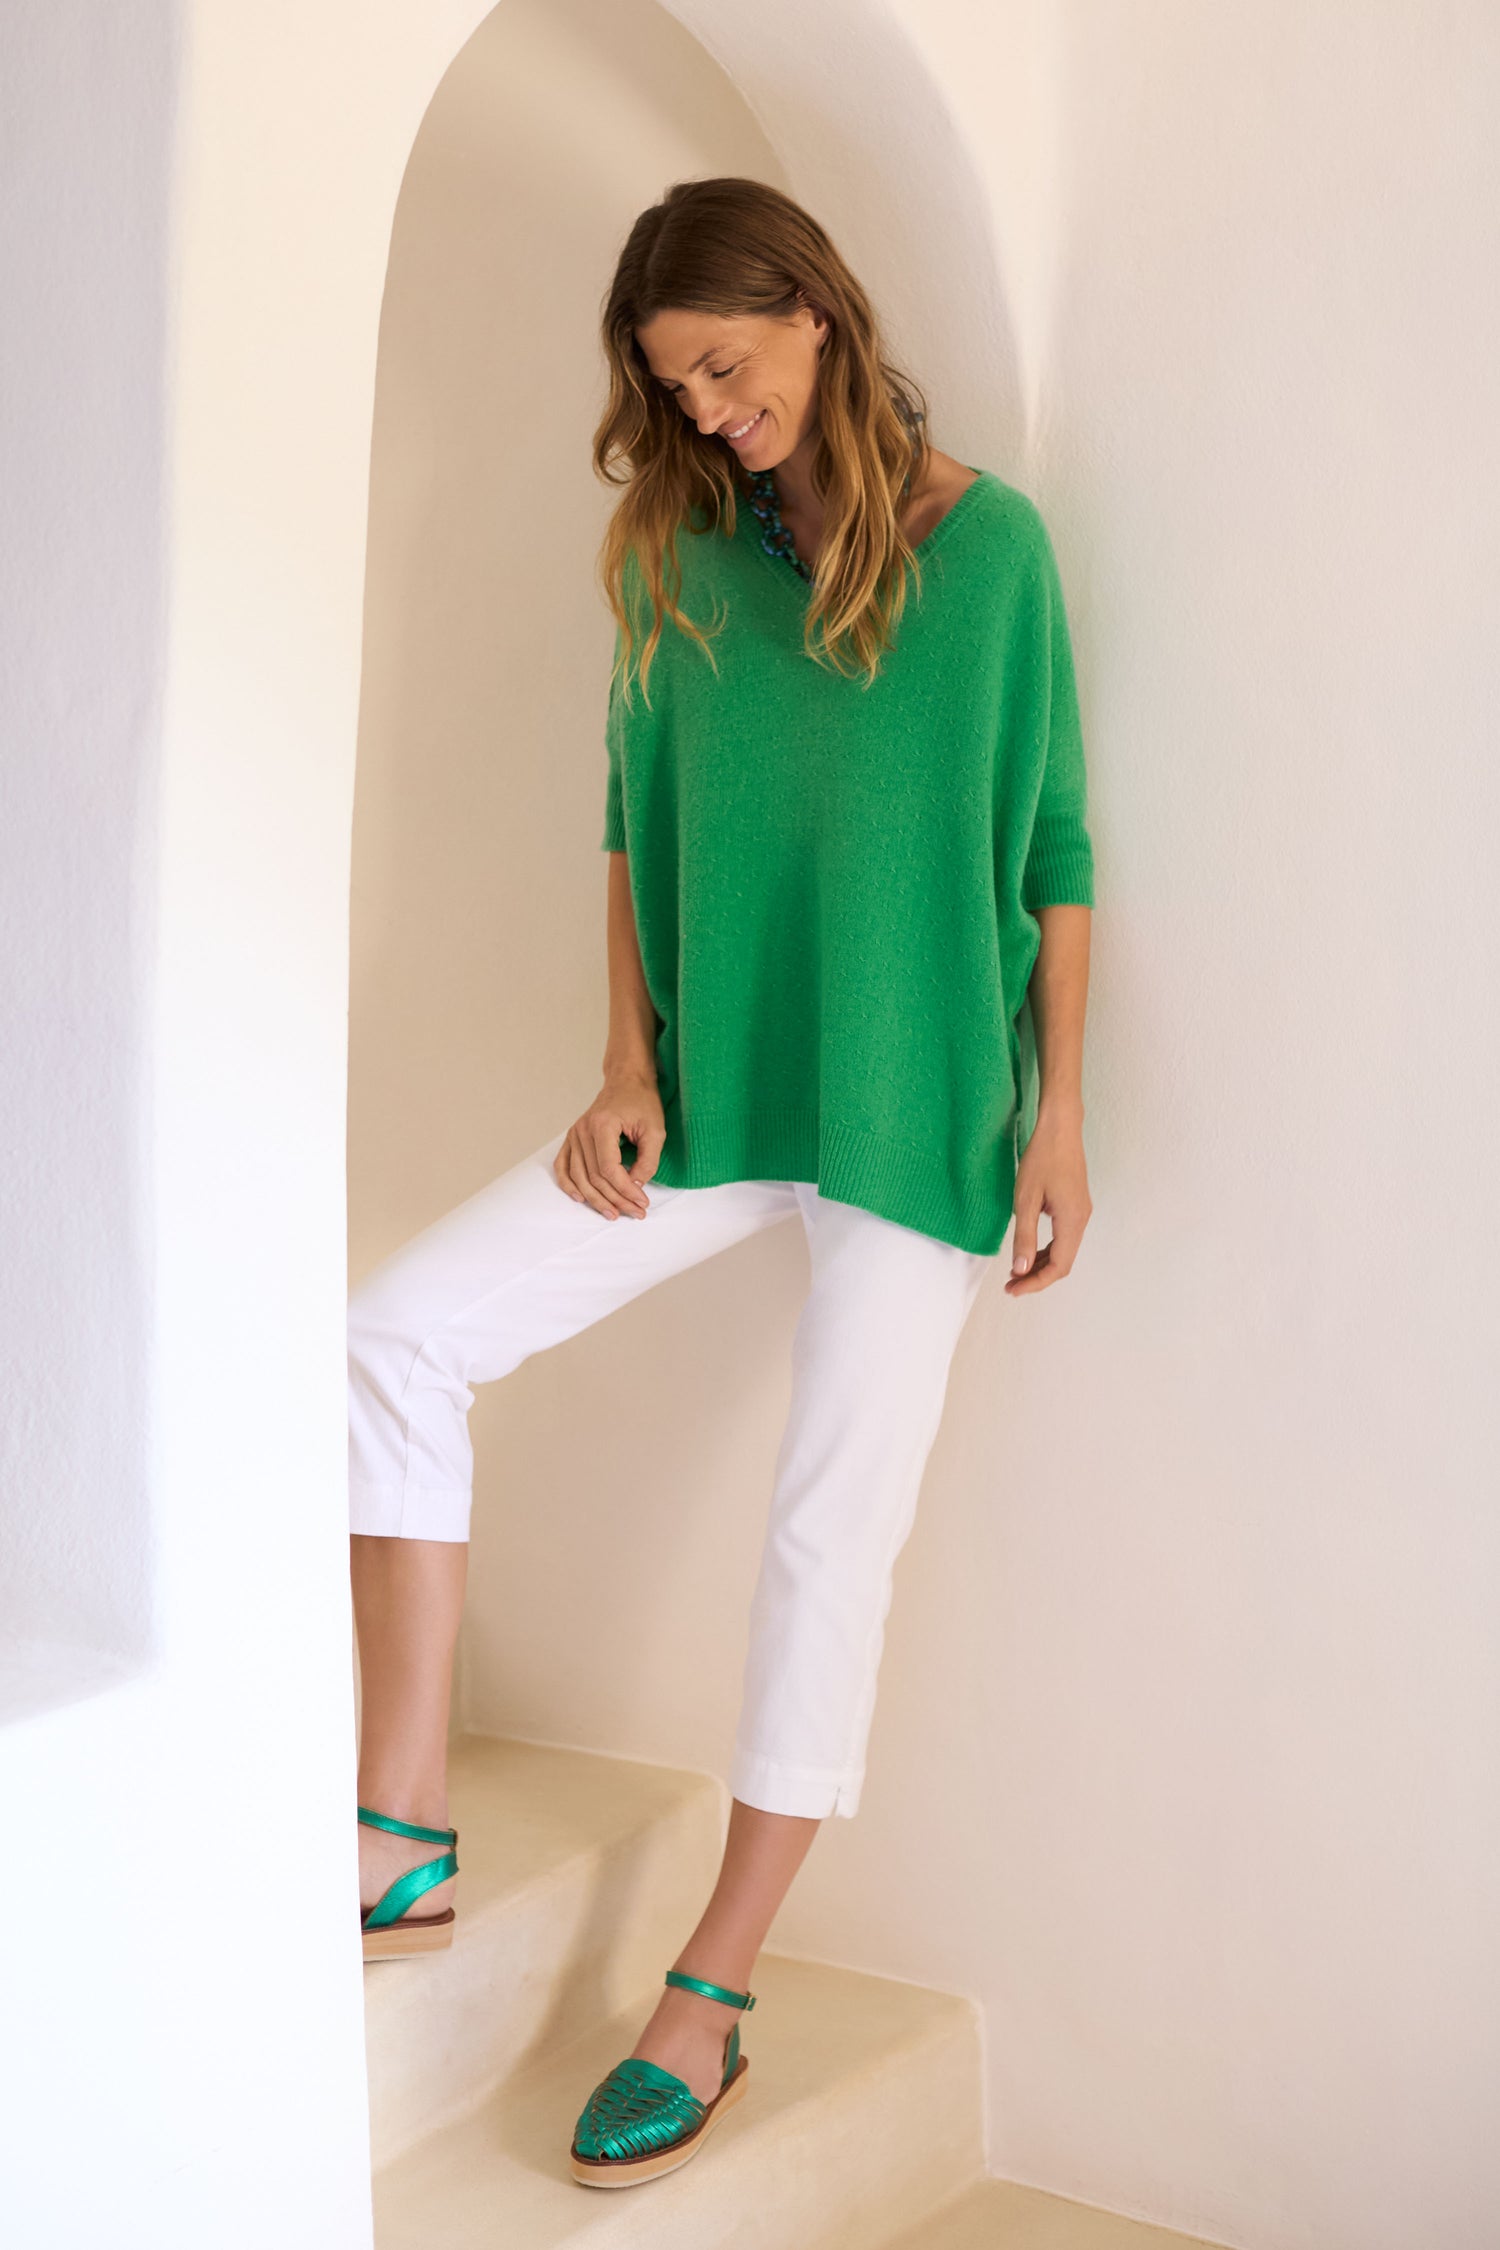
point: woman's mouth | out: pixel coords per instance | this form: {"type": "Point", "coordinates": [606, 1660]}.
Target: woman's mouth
{"type": "Point", "coordinates": [746, 430]}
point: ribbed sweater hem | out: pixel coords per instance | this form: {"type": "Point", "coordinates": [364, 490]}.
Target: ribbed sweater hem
{"type": "Point", "coordinates": [894, 1179]}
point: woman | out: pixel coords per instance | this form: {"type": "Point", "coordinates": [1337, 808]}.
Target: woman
{"type": "Point", "coordinates": [845, 817]}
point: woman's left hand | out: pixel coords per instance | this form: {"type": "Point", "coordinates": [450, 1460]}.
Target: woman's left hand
{"type": "Point", "coordinates": [1050, 1177]}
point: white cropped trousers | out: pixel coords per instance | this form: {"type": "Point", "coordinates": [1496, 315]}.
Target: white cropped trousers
{"type": "Point", "coordinates": [521, 1265]}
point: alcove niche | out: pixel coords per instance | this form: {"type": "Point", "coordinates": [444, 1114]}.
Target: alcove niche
{"type": "Point", "coordinates": [620, 1478]}
{"type": "Point", "coordinates": [477, 992]}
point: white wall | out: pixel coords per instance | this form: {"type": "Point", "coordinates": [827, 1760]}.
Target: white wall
{"type": "Point", "coordinates": [86, 106]}
{"type": "Point", "coordinates": [1192, 1665]}
{"type": "Point", "coordinates": [190, 355]}
{"type": "Point", "coordinates": [1245, 1691]}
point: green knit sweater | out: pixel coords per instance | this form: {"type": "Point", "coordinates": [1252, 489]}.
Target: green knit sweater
{"type": "Point", "coordinates": [835, 886]}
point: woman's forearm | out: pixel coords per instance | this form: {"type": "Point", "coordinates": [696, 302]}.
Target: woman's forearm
{"type": "Point", "coordinates": [630, 1047]}
{"type": "Point", "coordinates": [1059, 997]}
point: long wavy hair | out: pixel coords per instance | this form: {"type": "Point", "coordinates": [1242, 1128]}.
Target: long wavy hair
{"type": "Point", "coordinates": [737, 247]}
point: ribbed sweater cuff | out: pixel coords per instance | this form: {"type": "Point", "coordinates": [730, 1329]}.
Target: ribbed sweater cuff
{"type": "Point", "coordinates": [1059, 866]}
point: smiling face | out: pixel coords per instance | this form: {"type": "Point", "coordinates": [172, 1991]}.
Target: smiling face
{"type": "Point", "coordinates": [751, 383]}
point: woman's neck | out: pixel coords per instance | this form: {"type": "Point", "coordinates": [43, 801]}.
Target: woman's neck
{"type": "Point", "coordinates": [802, 510]}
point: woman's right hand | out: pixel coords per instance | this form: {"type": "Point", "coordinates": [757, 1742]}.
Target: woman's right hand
{"type": "Point", "coordinates": [589, 1166]}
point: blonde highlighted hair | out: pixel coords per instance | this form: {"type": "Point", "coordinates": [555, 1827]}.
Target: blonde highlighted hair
{"type": "Point", "coordinates": [738, 248]}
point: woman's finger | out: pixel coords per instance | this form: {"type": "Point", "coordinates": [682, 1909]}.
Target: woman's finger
{"type": "Point", "coordinates": [649, 1143]}
{"type": "Point", "coordinates": [560, 1168]}
{"type": "Point", "coordinates": [588, 1193]}
{"type": "Point", "coordinates": [1067, 1234]}
{"type": "Point", "coordinates": [1040, 1275]}
{"type": "Point", "coordinates": [1023, 1242]}
{"type": "Point", "coordinates": [610, 1171]}
{"type": "Point", "coordinates": [607, 1198]}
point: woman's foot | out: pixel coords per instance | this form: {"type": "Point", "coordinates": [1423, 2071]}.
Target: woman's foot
{"type": "Point", "coordinates": [382, 1857]}
{"type": "Point", "coordinates": [688, 2033]}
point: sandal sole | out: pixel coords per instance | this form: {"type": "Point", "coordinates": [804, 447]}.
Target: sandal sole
{"type": "Point", "coordinates": [431, 1933]}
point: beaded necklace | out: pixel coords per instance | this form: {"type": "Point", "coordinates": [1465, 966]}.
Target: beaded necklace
{"type": "Point", "coordinates": [774, 536]}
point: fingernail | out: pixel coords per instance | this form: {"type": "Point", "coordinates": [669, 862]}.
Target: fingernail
{"type": "Point", "coordinates": [1019, 1266]}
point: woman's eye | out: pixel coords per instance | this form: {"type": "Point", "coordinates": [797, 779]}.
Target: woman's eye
{"type": "Point", "coordinates": [716, 375]}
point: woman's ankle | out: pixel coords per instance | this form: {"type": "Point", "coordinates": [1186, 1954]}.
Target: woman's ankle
{"type": "Point", "coordinates": [422, 1804]}
{"type": "Point", "coordinates": [727, 1967]}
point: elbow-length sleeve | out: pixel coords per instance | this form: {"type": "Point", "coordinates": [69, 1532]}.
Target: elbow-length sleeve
{"type": "Point", "coordinates": [1059, 867]}
{"type": "Point", "coordinates": [613, 839]}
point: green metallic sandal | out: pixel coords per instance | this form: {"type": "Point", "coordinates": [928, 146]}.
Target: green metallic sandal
{"type": "Point", "coordinates": [642, 2120]}
{"type": "Point", "coordinates": [389, 1932]}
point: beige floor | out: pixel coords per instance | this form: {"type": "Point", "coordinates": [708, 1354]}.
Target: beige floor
{"type": "Point", "coordinates": [997, 2216]}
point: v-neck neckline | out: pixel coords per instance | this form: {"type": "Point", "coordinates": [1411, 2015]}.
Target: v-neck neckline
{"type": "Point", "coordinates": [803, 586]}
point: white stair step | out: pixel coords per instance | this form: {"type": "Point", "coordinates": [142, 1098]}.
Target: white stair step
{"type": "Point", "coordinates": [995, 2215]}
{"type": "Point", "coordinates": [579, 1879]}
{"type": "Point", "coordinates": [861, 2113]}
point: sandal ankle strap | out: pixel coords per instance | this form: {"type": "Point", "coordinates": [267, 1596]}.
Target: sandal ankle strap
{"type": "Point", "coordinates": [745, 2000]}
{"type": "Point", "coordinates": [408, 1828]}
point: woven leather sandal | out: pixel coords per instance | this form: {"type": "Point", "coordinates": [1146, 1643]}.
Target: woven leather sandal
{"type": "Point", "coordinates": [642, 2120]}
{"type": "Point", "coordinates": [389, 1931]}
